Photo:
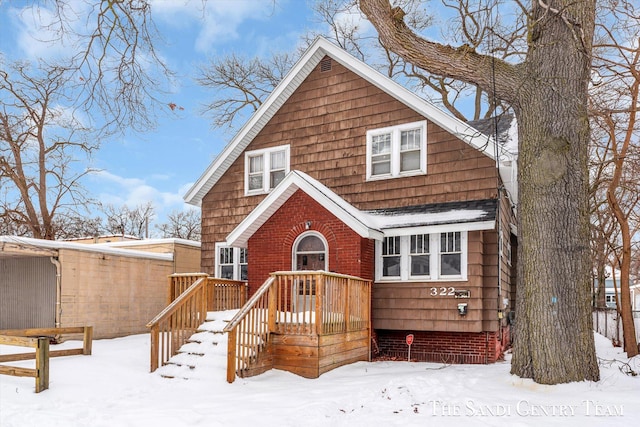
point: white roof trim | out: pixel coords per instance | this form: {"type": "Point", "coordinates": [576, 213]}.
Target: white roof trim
{"type": "Point", "coordinates": [441, 228]}
{"type": "Point", "coordinates": [296, 180]}
{"type": "Point", "coordinates": [290, 83]}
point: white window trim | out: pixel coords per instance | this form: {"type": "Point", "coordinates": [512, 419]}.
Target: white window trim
{"type": "Point", "coordinates": [236, 260]}
{"type": "Point", "coordinates": [395, 150]}
{"type": "Point", "coordinates": [266, 167]}
{"type": "Point", "coordinates": [434, 260]}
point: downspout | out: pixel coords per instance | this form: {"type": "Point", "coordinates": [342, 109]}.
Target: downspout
{"type": "Point", "coordinates": [58, 315]}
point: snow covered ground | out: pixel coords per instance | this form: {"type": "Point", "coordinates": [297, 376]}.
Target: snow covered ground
{"type": "Point", "coordinates": [114, 388]}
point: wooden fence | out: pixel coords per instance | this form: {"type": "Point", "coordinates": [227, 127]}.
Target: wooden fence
{"type": "Point", "coordinates": [607, 322]}
{"type": "Point", "coordinates": [39, 339]}
{"type": "Point", "coordinates": [194, 295]}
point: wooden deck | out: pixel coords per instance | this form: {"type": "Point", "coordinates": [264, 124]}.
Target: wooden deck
{"type": "Point", "coordinates": [307, 323]}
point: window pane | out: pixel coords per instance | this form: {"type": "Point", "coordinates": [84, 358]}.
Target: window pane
{"type": "Point", "coordinates": [255, 182]}
{"type": "Point", "coordinates": [420, 244]}
{"type": "Point", "coordinates": [277, 160]}
{"type": "Point", "coordinates": [276, 178]}
{"type": "Point", "coordinates": [391, 266]}
{"type": "Point", "coordinates": [420, 265]}
{"type": "Point", "coordinates": [310, 244]}
{"type": "Point", "coordinates": [226, 271]}
{"type": "Point", "coordinates": [410, 161]}
{"type": "Point", "coordinates": [450, 265]}
{"type": "Point", "coordinates": [255, 164]}
{"type": "Point", "coordinates": [410, 140]}
{"type": "Point", "coordinates": [381, 144]}
{"type": "Point", "coordinates": [391, 246]}
{"type": "Point", "coordinates": [243, 272]}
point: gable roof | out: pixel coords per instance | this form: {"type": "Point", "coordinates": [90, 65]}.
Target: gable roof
{"type": "Point", "coordinates": [320, 48]}
{"type": "Point", "coordinates": [374, 224]}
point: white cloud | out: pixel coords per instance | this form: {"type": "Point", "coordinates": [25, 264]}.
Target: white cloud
{"type": "Point", "coordinates": [218, 21]}
{"type": "Point", "coordinates": [118, 190]}
{"type": "Point", "coordinates": [40, 33]}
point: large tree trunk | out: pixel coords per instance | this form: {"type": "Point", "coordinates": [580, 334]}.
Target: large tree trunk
{"type": "Point", "coordinates": [549, 94]}
{"type": "Point", "coordinates": [554, 328]}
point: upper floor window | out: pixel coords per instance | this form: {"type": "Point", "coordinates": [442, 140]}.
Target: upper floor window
{"type": "Point", "coordinates": [436, 256]}
{"type": "Point", "coordinates": [264, 169]}
{"type": "Point", "coordinates": [397, 151]}
{"type": "Point", "coordinates": [231, 263]}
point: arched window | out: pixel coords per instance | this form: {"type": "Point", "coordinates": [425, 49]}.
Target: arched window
{"type": "Point", "coordinates": [310, 252]}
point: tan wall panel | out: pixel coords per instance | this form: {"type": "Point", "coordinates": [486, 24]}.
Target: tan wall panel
{"type": "Point", "coordinates": [116, 295]}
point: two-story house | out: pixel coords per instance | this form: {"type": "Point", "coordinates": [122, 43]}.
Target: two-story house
{"type": "Point", "coordinates": [342, 169]}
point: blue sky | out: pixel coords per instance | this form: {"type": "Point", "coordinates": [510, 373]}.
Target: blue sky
{"type": "Point", "coordinates": [160, 166]}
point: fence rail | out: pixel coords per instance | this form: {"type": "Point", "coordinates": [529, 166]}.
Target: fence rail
{"type": "Point", "coordinates": [193, 296]}
{"type": "Point", "coordinates": [607, 322]}
{"type": "Point", "coordinates": [39, 339]}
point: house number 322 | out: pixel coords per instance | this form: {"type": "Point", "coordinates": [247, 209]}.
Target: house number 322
{"type": "Point", "coordinates": [443, 291]}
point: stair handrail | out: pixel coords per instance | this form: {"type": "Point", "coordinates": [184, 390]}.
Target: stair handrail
{"type": "Point", "coordinates": [234, 339]}
{"type": "Point", "coordinates": [180, 338]}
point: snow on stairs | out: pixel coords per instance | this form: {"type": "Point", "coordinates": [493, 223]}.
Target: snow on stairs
{"type": "Point", "coordinates": [205, 354]}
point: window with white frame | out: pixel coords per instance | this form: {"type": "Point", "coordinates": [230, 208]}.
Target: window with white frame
{"type": "Point", "coordinates": [450, 254]}
{"type": "Point", "coordinates": [231, 263]}
{"type": "Point", "coordinates": [435, 256]}
{"type": "Point", "coordinates": [397, 151]}
{"type": "Point", "coordinates": [391, 256]}
{"type": "Point", "coordinates": [264, 169]}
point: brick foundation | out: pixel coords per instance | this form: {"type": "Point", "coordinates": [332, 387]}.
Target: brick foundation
{"type": "Point", "coordinates": [443, 347]}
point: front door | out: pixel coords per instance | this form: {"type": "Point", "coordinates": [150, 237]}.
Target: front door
{"type": "Point", "coordinates": [310, 254]}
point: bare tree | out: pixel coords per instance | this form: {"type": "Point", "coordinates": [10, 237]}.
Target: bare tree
{"type": "Point", "coordinates": [181, 225]}
{"type": "Point", "coordinates": [72, 227]}
{"type": "Point", "coordinates": [547, 89]}
{"type": "Point", "coordinates": [115, 65]}
{"type": "Point", "coordinates": [128, 221]}
{"type": "Point", "coordinates": [614, 109]}
{"type": "Point", "coordinates": [239, 85]}
{"type": "Point", "coordinates": [41, 139]}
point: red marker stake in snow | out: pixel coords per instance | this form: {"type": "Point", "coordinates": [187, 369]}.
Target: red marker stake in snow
{"type": "Point", "coordinates": [409, 340]}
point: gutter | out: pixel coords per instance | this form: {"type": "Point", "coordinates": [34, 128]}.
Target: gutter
{"type": "Point", "coordinates": [58, 312]}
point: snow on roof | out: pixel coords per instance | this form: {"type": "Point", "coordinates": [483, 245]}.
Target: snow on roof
{"type": "Point", "coordinates": [320, 48]}
{"type": "Point", "coordinates": [435, 214]}
{"type": "Point", "coordinates": [147, 242]}
{"type": "Point", "coordinates": [103, 248]}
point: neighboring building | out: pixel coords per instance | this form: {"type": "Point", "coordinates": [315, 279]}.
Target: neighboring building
{"type": "Point", "coordinates": [342, 169]}
{"type": "Point", "coordinates": [610, 289]}
{"type": "Point", "coordinates": [114, 287]}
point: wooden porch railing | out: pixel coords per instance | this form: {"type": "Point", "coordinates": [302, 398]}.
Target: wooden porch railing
{"type": "Point", "coordinates": [174, 325]}
{"type": "Point", "coordinates": [296, 303]}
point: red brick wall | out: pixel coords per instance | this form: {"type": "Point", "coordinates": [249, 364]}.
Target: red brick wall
{"type": "Point", "coordinates": [270, 248]}
{"type": "Point", "coordinates": [443, 347]}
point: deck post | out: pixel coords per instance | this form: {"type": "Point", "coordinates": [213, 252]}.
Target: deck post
{"type": "Point", "coordinates": [319, 303]}
{"type": "Point", "coordinates": [87, 341]}
{"type": "Point", "coordinates": [155, 344]}
{"type": "Point", "coordinates": [271, 310]}
{"type": "Point", "coordinates": [42, 364]}
{"type": "Point", "coordinates": [231, 355]}
{"type": "Point", "coordinates": [347, 320]}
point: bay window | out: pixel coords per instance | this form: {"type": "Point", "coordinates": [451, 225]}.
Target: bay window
{"type": "Point", "coordinates": [414, 257]}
